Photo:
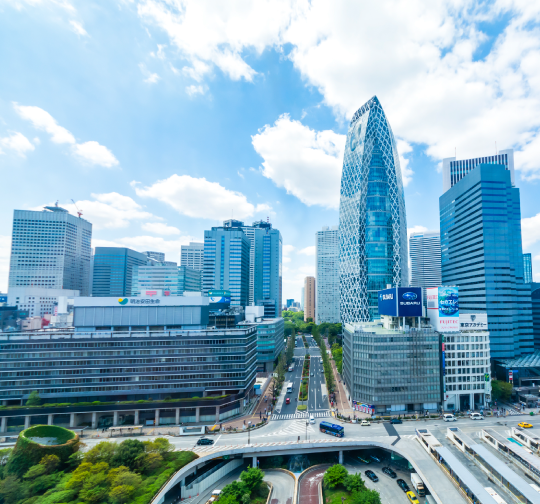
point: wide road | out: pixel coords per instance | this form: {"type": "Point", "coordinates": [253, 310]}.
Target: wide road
{"type": "Point", "coordinates": [295, 377]}
{"type": "Point", "coordinates": [318, 397]}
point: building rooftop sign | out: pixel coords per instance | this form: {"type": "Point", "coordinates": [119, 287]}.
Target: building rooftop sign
{"type": "Point", "coordinates": [401, 302]}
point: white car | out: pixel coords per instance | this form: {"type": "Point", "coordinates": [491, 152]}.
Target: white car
{"type": "Point", "coordinates": [476, 416]}
{"type": "Point", "coordinates": [365, 422]}
{"type": "Point", "coordinates": [311, 419]}
{"type": "Point", "coordinates": [449, 418]}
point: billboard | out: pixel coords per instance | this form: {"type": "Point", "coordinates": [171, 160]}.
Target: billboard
{"type": "Point", "coordinates": [219, 296]}
{"type": "Point", "coordinates": [443, 308]}
{"type": "Point", "coordinates": [474, 321]}
{"type": "Point", "coordinates": [401, 302]}
{"type": "Point", "coordinates": [3, 298]}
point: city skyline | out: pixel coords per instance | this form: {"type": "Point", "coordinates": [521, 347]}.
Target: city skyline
{"type": "Point", "coordinates": [136, 132]}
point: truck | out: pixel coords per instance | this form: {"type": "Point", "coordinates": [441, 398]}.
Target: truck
{"type": "Point", "coordinates": [418, 485]}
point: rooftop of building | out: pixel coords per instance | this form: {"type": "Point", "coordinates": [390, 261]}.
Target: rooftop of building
{"type": "Point", "coordinates": [525, 361]}
{"type": "Point", "coordinates": [378, 328]}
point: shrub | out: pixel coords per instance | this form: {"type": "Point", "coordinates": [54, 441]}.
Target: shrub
{"type": "Point", "coordinates": [33, 399]}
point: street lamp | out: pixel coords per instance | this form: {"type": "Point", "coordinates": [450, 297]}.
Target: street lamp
{"type": "Point", "coordinates": [307, 423]}
{"type": "Point", "coordinates": [249, 426]}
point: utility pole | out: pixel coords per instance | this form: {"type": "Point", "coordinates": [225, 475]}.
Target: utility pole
{"type": "Point", "coordinates": [249, 431]}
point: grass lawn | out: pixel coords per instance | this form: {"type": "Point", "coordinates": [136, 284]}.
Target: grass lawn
{"type": "Point", "coordinates": [333, 496]}
{"type": "Point", "coordinates": [302, 407]}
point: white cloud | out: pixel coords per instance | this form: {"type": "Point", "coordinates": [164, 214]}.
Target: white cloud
{"type": "Point", "coordinates": [406, 172]}
{"type": "Point", "coordinates": [416, 229]}
{"type": "Point", "coordinates": [209, 33]}
{"type": "Point", "coordinates": [309, 251]}
{"type": "Point", "coordinates": [94, 153]}
{"type": "Point", "coordinates": [90, 152]}
{"type": "Point", "coordinates": [5, 254]}
{"type": "Point", "coordinates": [16, 142]}
{"type": "Point", "coordinates": [198, 197]}
{"type": "Point", "coordinates": [19, 4]}
{"type": "Point", "coordinates": [307, 163]}
{"type": "Point", "coordinates": [194, 90]}
{"type": "Point", "coordinates": [425, 60]}
{"type": "Point", "coordinates": [42, 120]}
{"type": "Point", "coordinates": [160, 228]}
{"type": "Point", "coordinates": [286, 251]}
{"type": "Point", "coordinates": [110, 210]}
{"type": "Point", "coordinates": [530, 230]}
{"type": "Point", "coordinates": [150, 78]}
{"type": "Point", "coordinates": [78, 28]}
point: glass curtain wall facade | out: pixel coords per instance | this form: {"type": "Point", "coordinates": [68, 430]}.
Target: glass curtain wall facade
{"type": "Point", "coordinates": [50, 249]}
{"type": "Point", "coordinates": [226, 263]}
{"type": "Point", "coordinates": [481, 253]}
{"type": "Point", "coordinates": [192, 256]}
{"type": "Point", "coordinates": [527, 268]}
{"type": "Point", "coordinates": [113, 271]}
{"type": "Point", "coordinates": [425, 254]}
{"type": "Point", "coordinates": [372, 219]}
{"type": "Point", "coordinates": [327, 275]}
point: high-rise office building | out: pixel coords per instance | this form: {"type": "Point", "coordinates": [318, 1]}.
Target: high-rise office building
{"type": "Point", "coordinates": [265, 265]}
{"type": "Point", "coordinates": [171, 280]}
{"type": "Point", "coordinates": [50, 249]}
{"type": "Point", "coordinates": [192, 256]}
{"type": "Point", "coordinates": [535, 297]}
{"type": "Point", "coordinates": [309, 298]}
{"type": "Point", "coordinates": [290, 302]}
{"type": "Point", "coordinates": [327, 275]}
{"type": "Point", "coordinates": [226, 263]}
{"type": "Point", "coordinates": [454, 170]}
{"type": "Point", "coordinates": [302, 298]}
{"type": "Point", "coordinates": [481, 253]}
{"type": "Point", "coordinates": [372, 220]}
{"type": "Point", "coordinates": [425, 254]}
{"type": "Point", "coordinates": [113, 270]}
{"type": "Point", "coordinates": [38, 301]}
{"type": "Point", "coordinates": [156, 256]}
{"type": "Point", "coordinates": [527, 268]}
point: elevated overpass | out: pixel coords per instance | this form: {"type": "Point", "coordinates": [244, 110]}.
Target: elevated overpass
{"type": "Point", "coordinates": [441, 487]}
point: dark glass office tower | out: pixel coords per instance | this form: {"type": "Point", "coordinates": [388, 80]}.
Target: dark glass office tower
{"type": "Point", "coordinates": [113, 270]}
{"type": "Point", "coordinates": [481, 253]}
{"type": "Point", "coordinates": [372, 220]}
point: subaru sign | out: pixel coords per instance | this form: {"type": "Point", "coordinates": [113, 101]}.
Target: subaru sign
{"type": "Point", "coordinates": [401, 302]}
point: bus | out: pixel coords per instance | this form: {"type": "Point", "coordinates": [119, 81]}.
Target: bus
{"type": "Point", "coordinates": [333, 429]}
{"type": "Point", "coordinates": [289, 387]}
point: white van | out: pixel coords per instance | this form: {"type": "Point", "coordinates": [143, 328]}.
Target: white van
{"type": "Point", "coordinates": [449, 417]}
{"type": "Point", "coordinates": [476, 416]}
{"type": "Point", "coordinates": [311, 419]}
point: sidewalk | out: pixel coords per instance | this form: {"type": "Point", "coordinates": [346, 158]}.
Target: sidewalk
{"type": "Point", "coordinates": [256, 415]}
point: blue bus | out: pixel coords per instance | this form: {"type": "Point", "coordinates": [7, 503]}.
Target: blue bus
{"type": "Point", "coordinates": [329, 428]}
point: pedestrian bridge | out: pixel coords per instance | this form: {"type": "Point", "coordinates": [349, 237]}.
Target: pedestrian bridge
{"type": "Point", "coordinates": [441, 487]}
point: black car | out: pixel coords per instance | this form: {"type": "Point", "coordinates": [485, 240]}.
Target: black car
{"type": "Point", "coordinates": [403, 485]}
{"type": "Point", "coordinates": [389, 472]}
{"type": "Point", "coordinates": [205, 441]}
{"type": "Point", "coordinates": [396, 421]}
{"type": "Point", "coordinates": [371, 475]}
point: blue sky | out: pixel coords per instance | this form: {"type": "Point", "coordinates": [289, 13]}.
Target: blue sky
{"type": "Point", "coordinates": [161, 118]}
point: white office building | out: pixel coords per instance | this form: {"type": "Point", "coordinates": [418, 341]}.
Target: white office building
{"type": "Point", "coordinates": [466, 364]}
{"type": "Point", "coordinates": [454, 170]}
{"type": "Point", "coordinates": [425, 255]}
{"type": "Point", "coordinates": [327, 275]}
{"type": "Point", "coordinates": [38, 300]}
{"type": "Point", "coordinates": [50, 249]}
{"type": "Point", "coordinates": [192, 256]}
{"type": "Point", "coordinates": [171, 280]}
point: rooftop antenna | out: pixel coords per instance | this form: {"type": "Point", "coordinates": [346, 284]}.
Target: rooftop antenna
{"type": "Point", "coordinates": [495, 147]}
{"type": "Point", "coordinates": [56, 204]}
{"type": "Point", "coordinates": [79, 212]}
{"type": "Point", "coordinates": [455, 152]}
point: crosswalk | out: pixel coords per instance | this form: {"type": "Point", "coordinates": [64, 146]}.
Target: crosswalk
{"type": "Point", "coordinates": [293, 416]}
{"type": "Point", "coordinates": [294, 428]}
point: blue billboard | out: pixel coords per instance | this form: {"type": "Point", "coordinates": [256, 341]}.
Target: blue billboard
{"type": "Point", "coordinates": [3, 298]}
{"type": "Point", "coordinates": [401, 302]}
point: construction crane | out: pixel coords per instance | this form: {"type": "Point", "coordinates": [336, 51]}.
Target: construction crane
{"type": "Point", "coordinates": [79, 212]}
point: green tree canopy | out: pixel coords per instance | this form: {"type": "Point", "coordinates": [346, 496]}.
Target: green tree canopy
{"type": "Point", "coordinates": [501, 390]}
{"type": "Point", "coordinates": [335, 476]}
{"type": "Point", "coordinates": [252, 478]}
{"type": "Point", "coordinates": [33, 399]}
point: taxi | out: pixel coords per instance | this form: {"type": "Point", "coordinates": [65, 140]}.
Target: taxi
{"type": "Point", "coordinates": [524, 425]}
{"type": "Point", "coordinates": [412, 498]}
